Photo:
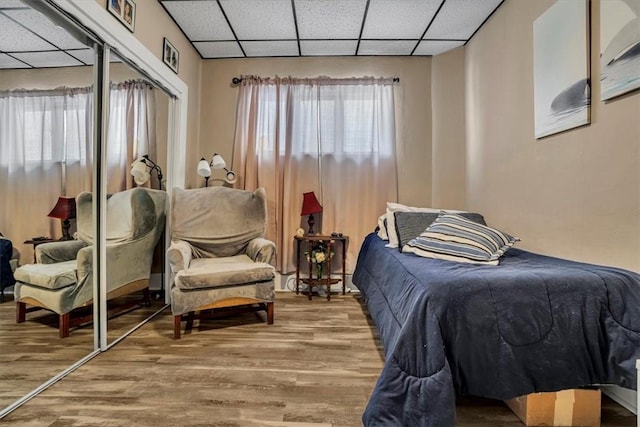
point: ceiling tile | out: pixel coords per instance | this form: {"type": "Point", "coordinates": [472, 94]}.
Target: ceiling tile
{"type": "Point", "coordinates": [328, 47]}
{"type": "Point", "coordinates": [48, 59]}
{"type": "Point", "coordinates": [260, 19]}
{"type": "Point", "coordinates": [459, 19]}
{"type": "Point", "coordinates": [330, 19]}
{"type": "Point", "coordinates": [84, 55]}
{"type": "Point", "coordinates": [15, 38]}
{"type": "Point", "coordinates": [46, 29]}
{"type": "Point", "coordinates": [8, 62]}
{"type": "Point", "coordinates": [436, 47]}
{"type": "Point", "coordinates": [398, 19]}
{"type": "Point", "coordinates": [219, 49]}
{"type": "Point", "coordinates": [271, 48]}
{"type": "Point", "coordinates": [200, 20]}
{"type": "Point", "coordinates": [386, 47]}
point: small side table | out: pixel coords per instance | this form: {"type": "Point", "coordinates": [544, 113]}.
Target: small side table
{"type": "Point", "coordinates": [36, 242]}
{"type": "Point", "coordinates": [328, 281]}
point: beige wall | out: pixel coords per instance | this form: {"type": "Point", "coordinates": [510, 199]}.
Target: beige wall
{"type": "Point", "coordinates": [447, 92]}
{"type": "Point", "coordinates": [575, 194]}
{"type": "Point", "coordinates": [151, 26]}
{"type": "Point", "coordinates": [413, 108]}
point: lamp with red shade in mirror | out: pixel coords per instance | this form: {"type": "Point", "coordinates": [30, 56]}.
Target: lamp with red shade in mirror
{"type": "Point", "coordinates": [310, 206]}
{"type": "Point", "coordinates": [65, 209]}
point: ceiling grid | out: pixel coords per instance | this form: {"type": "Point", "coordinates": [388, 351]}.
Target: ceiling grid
{"type": "Point", "coordinates": [285, 28]}
{"type": "Point", "coordinates": [267, 28]}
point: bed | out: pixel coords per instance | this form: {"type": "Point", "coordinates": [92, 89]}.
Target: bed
{"type": "Point", "coordinates": [532, 323]}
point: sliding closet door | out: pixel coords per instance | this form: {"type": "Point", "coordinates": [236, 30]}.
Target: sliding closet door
{"type": "Point", "coordinates": [136, 160]}
{"type": "Point", "coordinates": [47, 105]}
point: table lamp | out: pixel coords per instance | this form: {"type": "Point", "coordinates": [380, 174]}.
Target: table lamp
{"type": "Point", "coordinates": [217, 162]}
{"type": "Point", "coordinates": [65, 209]}
{"type": "Point", "coordinates": [310, 206]}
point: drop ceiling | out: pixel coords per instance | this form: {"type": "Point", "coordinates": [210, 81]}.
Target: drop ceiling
{"type": "Point", "coordinates": [266, 28]}
{"type": "Point", "coordinates": [28, 39]}
{"type": "Point", "coordinates": [281, 28]}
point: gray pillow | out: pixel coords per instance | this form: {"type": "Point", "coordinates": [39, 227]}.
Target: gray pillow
{"type": "Point", "coordinates": [409, 225]}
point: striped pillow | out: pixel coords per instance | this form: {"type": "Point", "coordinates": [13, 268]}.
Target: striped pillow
{"type": "Point", "coordinates": [455, 238]}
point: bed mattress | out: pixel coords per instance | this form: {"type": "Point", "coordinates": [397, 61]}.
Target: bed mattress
{"type": "Point", "coordinates": [531, 324]}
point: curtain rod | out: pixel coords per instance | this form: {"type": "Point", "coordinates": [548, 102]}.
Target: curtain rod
{"type": "Point", "coordinates": [238, 80]}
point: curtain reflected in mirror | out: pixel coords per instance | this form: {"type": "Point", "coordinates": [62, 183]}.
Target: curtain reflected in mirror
{"type": "Point", "coordinates": [46, 160]}
{"type": "Point", "coordinates": [136, 148]}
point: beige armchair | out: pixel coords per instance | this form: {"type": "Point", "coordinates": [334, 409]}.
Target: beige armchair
{"type": "Point", "coordinates": [62, 279]}
{"type": "Point", "coordinates": [218, 254]}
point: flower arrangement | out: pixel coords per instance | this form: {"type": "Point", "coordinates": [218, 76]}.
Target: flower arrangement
{"type": "Point", "coordinates": [319, 255]}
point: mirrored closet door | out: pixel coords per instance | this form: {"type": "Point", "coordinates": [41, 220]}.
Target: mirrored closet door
{"type": "Point", "coordinates": [136, 162]}
{"type": "Point", "coordinates": [47, 107]}
{"type": "Point", "coordinates": [57, 174]}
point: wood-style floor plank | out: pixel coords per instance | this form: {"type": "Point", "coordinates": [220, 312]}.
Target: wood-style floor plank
{"type": "Point", "coordinates": [315, 367]}
{"type": "Point", "coordinates": [32, 352]}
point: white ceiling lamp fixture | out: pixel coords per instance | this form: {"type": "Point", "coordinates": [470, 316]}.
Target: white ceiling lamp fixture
{"type": "Point", "coordinates": [217, 162]}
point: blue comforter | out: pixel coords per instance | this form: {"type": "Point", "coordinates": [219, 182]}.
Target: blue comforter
{"type": "Point", "coordinates": [531, 324]}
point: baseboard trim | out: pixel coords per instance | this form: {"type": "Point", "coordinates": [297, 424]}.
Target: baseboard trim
{"type": "Point", "coordinates": [624, 396]}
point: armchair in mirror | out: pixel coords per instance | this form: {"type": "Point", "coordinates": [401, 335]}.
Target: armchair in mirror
{"type": "Point", "coordinates": [62, 280]}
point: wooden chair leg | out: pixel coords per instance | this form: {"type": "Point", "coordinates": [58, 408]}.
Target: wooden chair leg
{"type": "Point", "coordinates": [270, 313]}
{"type": "Point", "coordinates": [21, 312]}
{"type": "Point", "coordinates": [146, 296]}
{"type": "Point", "coordinates": [177, 321]}
{"type": "Point", "coordinates": [65, 320]}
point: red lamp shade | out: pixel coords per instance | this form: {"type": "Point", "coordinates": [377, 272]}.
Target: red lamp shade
{"type": "Point", "coordinates": [310, 206]}
{"type": "Point", "coordinates": [65, 209]}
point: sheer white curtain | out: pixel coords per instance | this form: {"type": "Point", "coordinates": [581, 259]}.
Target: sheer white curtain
{"type": "Point", "coordinates": [335, 137]}
{"type": "Point", "coordinates": [131, 132]}
{"type": "Point", "coordinates": [45, 143]}
{"type": "Point", "coordinates": [46, 151]}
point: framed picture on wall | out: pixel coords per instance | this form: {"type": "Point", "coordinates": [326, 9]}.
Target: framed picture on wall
{"type": "Point", "coordinates": [619, 47]}
{"type": "Point", "coordinates": [125, 11]}
{"type": "Point", "coordinates": [562, 90]}
{"type": "Point", "coordinates": [170, 56]}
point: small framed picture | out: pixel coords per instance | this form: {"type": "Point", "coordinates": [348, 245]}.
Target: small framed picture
{"type": "Point", "coordinates": [125, 11]}
{"type": "Point", "coordinates": [170, 56]}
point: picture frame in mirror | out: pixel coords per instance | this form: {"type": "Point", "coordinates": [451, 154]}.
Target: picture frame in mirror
{"type": "Point", "coordinates": [124, 11]}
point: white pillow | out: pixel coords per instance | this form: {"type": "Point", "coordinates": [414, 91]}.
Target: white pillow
{"type": "Point", "coordinates": [391, 219]}
{"type": "Point", "coordinates": [382, 227]}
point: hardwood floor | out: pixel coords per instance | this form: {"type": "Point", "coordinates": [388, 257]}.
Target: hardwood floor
{"type": "Point", "coordinates": [31, 352]}
{"type": "Point", "coordinates": [316, 366]}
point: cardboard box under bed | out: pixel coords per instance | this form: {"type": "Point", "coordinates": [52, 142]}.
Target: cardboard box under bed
{"type": "Point", "coordinates": [575, 407]}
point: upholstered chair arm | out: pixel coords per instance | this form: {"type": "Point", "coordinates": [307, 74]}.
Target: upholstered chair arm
{"type": "Point", "coordinates": [50, 253]}
{"type": "Point", "coordinates": [179, 255]}
{"type": "Point", "coordinates": [85, 262]}
{"type": "Point", "coordinates": [261, 250]}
